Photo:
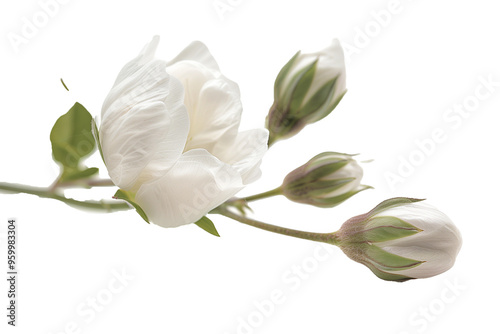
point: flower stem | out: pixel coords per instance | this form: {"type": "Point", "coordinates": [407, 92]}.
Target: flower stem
{"type": "Point", "coordinates": [102, 205]}
{"type": "Point", "coordinates": [86, 183]}
{"type": "Point", "coordinates": [270, 193]}
{"type": "Point", "coordinates": [329, 238]}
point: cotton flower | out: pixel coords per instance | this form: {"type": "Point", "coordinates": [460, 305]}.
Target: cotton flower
{"type": "Point", "coordinates": [306, 90]}
{"type": "Point", "coordinates": [401, 239]}
{"type": "Point", "coordinates": [326, 180]}
{"type": "Point", "coordinates": [169, 135]}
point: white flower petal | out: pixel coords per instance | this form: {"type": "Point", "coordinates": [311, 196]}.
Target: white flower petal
{"type": "Point", "coordinates": [196, 184]}
{"type": "Point", "coordinates": [142, 144]}
{"type": "Point", "coordinates": [245, 153]}
{"type": "Point", "coordinates": [439, 232]}
{"type": "Point", "coordinates": [213, 103]}
{"type": "Point", "coordinates": [147, 54]}
{"type": "Point", "coordinates": [155, 112]}
{"type": "Point", "coordinates": [198, 52]}
{"type": "Point", "coordinates": [139, 80]}
{"type": "Point", "coordinates": [144, 122]}
{"type": "Point", "coordinates": [218, 115]}
{"type": "Point", "coordinates": [330, 65]}
{"type": "Point", "coordinates": [436, 262]}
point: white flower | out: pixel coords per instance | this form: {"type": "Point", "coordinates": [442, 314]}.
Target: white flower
{"type": "Point", "coordinates": [326, 180]}
{"type": "Point", "coordinates": [401, 239]}
{"type": "Point", "coordinates": [306, 90]}
{"type": "Point", "coordinates": [169, 135]}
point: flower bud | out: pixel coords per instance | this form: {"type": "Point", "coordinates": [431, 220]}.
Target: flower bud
{"type": "Point", "coordinates": [326, 180]}
{"type": "Point", "coordinates": [401, 239]}
{"type": "Point", "coordinates": [307, 89]}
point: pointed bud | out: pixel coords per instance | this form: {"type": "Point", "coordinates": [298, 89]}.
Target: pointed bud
{"type": "Point", "coordinates": [307, 89]}
{"type": "Point", "coordinates": [401, 239]}
{"type": "Point", "coordinates": [326, 180]}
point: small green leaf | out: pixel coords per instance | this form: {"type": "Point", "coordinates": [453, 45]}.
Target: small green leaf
{"type": "Point", "coordinates": [126, 196]}
{"type": "Point", "coordinates": [72, 141]}
{"type": "Point", "coordinates": [66, 87]}
{"type": "Point", "coordinates": [206, 224]}
{"type": "Point", "coordinates": [75, 174]}
{"type": "Point", "coordinates": [71, 137]}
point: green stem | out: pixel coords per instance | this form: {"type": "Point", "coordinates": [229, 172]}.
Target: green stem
{"type": "Point", "coordinates": [102, 205]}
{"type": "Point", "coordinates": [87, 183]}
{"type": "Point", "coordinates": [270, 193]}
{"type": "Point", "coordinates": [329, 238]}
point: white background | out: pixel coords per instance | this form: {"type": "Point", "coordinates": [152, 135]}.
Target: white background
{"type": "Point", "coordinates": [415, 65]}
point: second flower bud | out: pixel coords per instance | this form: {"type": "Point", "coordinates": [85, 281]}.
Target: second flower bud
{"type": "Point", "coordinates": [326, 180]}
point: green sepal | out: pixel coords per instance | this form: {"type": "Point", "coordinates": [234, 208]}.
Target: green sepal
{"type": "Point", "coordinates": [330, 202]}
{"type": "Point", "coordinates": [301, 88]}
{"type": "Point", "coordinates": [315, 189]}
{"type": "Point", "coordinates": [385, 275]}
{"type": "Point", "coordinates": [385, 228]}
{"type": "Point", "coordinates": [324, 187]}
{"type": "Point", "coordinates": [206, 224]}
{"type": "Point", "coordinates": [387, 261]}
{"type": "Point", "coordinates": [386, 233]}
{"type": "Point", "coordinates": [321, 166]}
{"type": "Point", "coordinates": [95, 132]}
{"type": "Point", "coordinates": [319, 99]}
{"type": "Point", "coordinates": [282, 75]}
{"type": "Point", "coordinates": [316, 173]}
{"type": "Point", "coordinates": [328, 108]}
{"type": "Point", "coordinates": [292, 87]}
{"type": "Point", "coordinates": [241, 205]}
{"type": "Point", "coordinates": [392, 203]}
{"type": "Point", "coordinates": [128, 197]}
{"type": "Point", "coordinates": [322, 103]}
